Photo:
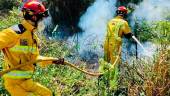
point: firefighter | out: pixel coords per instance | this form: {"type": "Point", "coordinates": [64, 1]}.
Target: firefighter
{"type": "Point", "coordinates": [116, 29]}
{"type": "Point", "coordinates": [20, 44]}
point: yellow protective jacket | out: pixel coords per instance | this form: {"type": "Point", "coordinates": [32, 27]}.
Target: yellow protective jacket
{"type": "Point", "coordinates": [116, 28]}
{"type": "Point", "coordinates": [20, 46]}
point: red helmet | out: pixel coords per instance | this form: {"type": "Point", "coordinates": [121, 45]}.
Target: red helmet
{"type": "Point", "coordinates": [36, 7]}
{"type": "Point", "coordinates": [122, 9]}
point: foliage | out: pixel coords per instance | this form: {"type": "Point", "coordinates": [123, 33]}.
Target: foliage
{"type": "Point", "coordinates": [161, 30]}
{"type": "Point", "coordinates": [9, 4]}
{"type": "Point", "coordinates": [10, 20]}
{"type": "Point", "coordinates": [143, 30]}
{"type": "Point", "coordinates": [109, 77]}
{"type": "Point", "coordinates": [3, 92]}
{"type": "Point", "coordinates": [157, 32]}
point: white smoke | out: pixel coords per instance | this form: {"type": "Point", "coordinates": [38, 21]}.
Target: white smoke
{"type": "Point", "coordinates": [94, 23]}
{"type": "Point", "coordinates": [152, 10]}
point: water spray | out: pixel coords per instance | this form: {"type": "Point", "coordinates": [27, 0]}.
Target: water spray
{"type": "Point", "coordinates": [139, 43]}
{"type": "Point", "coordinates": [54, 30]}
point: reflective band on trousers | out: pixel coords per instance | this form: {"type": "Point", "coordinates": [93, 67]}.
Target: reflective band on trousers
{"type": "Point", "coordinates": [25, 49]}
{"type": "Point", "coordinates": [16, 74]}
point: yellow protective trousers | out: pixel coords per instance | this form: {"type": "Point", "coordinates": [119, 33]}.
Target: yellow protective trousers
{"type": "Point", "coordinates": [111, 51]}
{"type": "Point", "coordinates": [25, 87]}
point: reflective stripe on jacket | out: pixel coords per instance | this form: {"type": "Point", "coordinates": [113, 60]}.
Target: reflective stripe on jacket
{"type": "Point", "coordinates": [20, 47]}
{"type": "Point", "coordinates": [17, 74]}
{"type": "Point", "coordinates": [24, 49]}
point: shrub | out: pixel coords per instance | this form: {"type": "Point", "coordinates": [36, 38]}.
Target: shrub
{"type": "Point", "coordinates": [9, 4]}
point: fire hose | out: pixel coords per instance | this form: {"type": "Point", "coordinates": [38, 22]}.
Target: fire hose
{"type": "Point", "coordinates": [52, 59]}
{"type": "Point", "coordinates": [84, 71]}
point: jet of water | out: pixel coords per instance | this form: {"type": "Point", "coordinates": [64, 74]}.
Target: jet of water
{"type": "Point", "coordinates": [138, 42]}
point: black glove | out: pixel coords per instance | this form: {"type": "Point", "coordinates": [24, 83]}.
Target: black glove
{"type": "Point", "coordinates": [128, 36]}
{"type": "Point", "coordinates": [59, 61]}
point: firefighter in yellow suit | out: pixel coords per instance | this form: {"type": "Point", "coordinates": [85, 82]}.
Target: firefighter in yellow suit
{"type": "Point", "coordinates": [19, 44]}
{"type": "Point", "coordinates": [116, 29]}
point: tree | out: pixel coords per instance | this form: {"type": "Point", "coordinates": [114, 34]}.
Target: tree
{"type": "Point", "coordinates": [68, 12]}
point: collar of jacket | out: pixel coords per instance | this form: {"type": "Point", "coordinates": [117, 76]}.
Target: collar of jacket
{"type": "Point", "coordinates": [119, 17]}
{"type": "Point", "coordinates": [28, 26]}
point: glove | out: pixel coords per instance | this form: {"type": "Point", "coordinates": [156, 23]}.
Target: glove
{"type": "Point", "coordinates": [128, 36]}
{"type": "Point", "coordinates": [59, 61]}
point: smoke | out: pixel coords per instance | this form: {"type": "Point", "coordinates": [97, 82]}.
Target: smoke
{"type": "Point", "coordinates": [152, 10]}
{"type": "Point", "coordinates": [94, 23]}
